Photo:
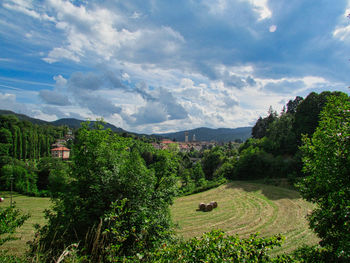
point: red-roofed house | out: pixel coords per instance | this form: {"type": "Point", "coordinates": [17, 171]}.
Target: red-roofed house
{"type": "Point", "coordinates": [60, 152]}
{"type": "Point", "coordinates": [166, 141]}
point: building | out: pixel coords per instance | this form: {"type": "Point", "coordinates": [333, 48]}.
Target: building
{"type": "Point", "coordinates": [60, 152]}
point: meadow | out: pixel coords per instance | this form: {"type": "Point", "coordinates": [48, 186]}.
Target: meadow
{"type": "Point", "coordinates": [243, 208]}
{"type": "Point", "coordinates": [34, 206]}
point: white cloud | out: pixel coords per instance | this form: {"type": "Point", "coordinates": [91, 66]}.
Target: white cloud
{"type": "Point", "coordinates": [103, 33]}
{"type": "Point", "coordinates": [342, 33]}
{"type": "Point", "coordinates": [61, 53]}
{"type": "Point", "coordinates": [261, 7]}
{"type": "Point", "coordinates": [60, 81]}
{"type": "Point", "coordinates": [342, 30]}
{"type": "Point", "coordinates": [273, 28]}
{"type": "Point", "coordinates": [26, 7]}
{"type": "Point", "coordinates": [8, 101]}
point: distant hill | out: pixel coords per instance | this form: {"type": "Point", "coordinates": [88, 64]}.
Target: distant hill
{"type": "Point", "coordinates": [207, 134]}
{"type": "Point", "coordinates": [201, 134]}
{"type": "Point", "coordinates": [23, 117]}
{"type": "Point", "coordinates": [70, 122]}
{"type": "Point", "coordinates": [75, 124]}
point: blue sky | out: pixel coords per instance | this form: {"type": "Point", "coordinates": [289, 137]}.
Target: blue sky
{"type": "Point", "coordinates": [153, 66]}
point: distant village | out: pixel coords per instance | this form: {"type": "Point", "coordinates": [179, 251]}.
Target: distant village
{"type": "Point", "coordinates": [59, 149]}
{"type": "Point", "coordinates": [186, 146]}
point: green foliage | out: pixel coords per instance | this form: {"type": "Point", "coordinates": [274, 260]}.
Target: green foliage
{"type": "Point", "coordinates": [53, 174]}
{"type": "Point", "coordinates": [211, 160]}
{"type": "Point", "coordinates": [27, 140]}
{"type": "Point", "coordinates": [10, 220]}
{"type": "Point", "coordinates": [107, 168]}
{"type": "Point", "coordinates": [23, 180]}
{"type": "Point", "coordinates": [281, 137]}
{"type": "Point", "coordinates": [262, 125]}
{"type": "Point", "coordinates": [215, 246]}
{"type": "Point", "coordinates": [227, 169]}
{"type": "Point", "coordinates": [307, 114]}
{"type": "Point", "coordinates": [327, 164]}
{"type": "Point", "coordinates": [307, 254]}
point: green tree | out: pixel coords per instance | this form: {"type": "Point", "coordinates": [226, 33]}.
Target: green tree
{"type": "Point", "coordinates": [281, 136]}
{"type": "Point", "coordinates": [307, 113]}
{"type": "Point", "coordinates": [211, 160]}
{"type": "Point", "coordinates": [292, 105]}
{"type": "Point", "coordinates": [5, 142]}
{"type": "Point", "coordinates": [107, 168]}
{"type": "Point", "coordinates": [327, 164]}
{"type": "Point", "coordinates": [260, 128]}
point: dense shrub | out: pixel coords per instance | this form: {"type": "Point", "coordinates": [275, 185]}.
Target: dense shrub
{"type": "Point", "coordinates": [215, 246]}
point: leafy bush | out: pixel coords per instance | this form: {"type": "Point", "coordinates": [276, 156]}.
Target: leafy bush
{"type": "Point", "coordinates": [215, 246]}
{"type": "Point", "coordinates": [23, 180]}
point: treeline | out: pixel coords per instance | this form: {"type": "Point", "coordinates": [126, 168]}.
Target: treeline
{"type": "Point", "coordinates": [25, 161]}
{"type": "Point", "coordinates": [273, 151]}
{"type": "Point", "coordinates": [23, 140]}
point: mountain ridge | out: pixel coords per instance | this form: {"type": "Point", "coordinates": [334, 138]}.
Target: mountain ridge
{"type": "Point", "coordinates": [70, 122]}
{"type": "Point", "coordinates": [201, 133]}
{"type": "Point", "coordinates": [209, 134]}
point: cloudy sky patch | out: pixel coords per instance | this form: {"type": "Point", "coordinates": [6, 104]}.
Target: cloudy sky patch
{"type": "Point", "coordinates": [159, 66]}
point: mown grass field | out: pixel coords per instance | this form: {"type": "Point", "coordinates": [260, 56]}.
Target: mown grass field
{"type": "Point", "coordinates": [245, 208]}
{"type": "Point", "coordinates": [35, 206]}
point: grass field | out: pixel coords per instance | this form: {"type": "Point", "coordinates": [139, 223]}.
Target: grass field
{"type": "Point", "coordinates": [35, 206]}
{"type": "Point", "coordinates": [245, 208]}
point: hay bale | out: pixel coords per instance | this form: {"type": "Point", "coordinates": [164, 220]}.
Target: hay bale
{"type": "Point", "coordinates": [202, 206]}
{"type": "Point", "coordinates": [1, 199]}
{"type": "Point", "coordinates": [208, 207]}
{"type": "Point", "coordinates": [214, 204]}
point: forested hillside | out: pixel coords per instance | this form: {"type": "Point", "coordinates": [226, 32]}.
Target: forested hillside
{"type": "Point", "coordinates": [24, 140]}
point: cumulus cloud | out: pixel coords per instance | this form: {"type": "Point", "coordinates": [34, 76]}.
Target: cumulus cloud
{"type": "Point", "coordinates": [154, 65]}
{"type": "Point", "coordinates": [103, 32]}
{"type": "Point", "coordinates": [54, 97]}
{"type": "Point", "coordinates": [53, 111]}
{"type": "Point", "coordinates": [284, 86]}
{"type": "Point", "coordinates": [152, 112]}
{"type": "Point", "coordinates": [8, 102]}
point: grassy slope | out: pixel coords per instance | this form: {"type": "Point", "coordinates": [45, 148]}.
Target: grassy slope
{"type": "Point", "coordinates": [245, 208]}
{"type": "Point", "coordinates": [35, 207]}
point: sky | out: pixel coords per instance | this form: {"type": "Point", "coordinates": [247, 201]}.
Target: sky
{"type": "Point", "coordinates": [154, 66]}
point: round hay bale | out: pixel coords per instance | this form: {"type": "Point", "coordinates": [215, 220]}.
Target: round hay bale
{"type": "Point", "coordinates": [208, 207]}
{"type": "Point", "coordinates": [1, 199]}
{"type": "Point", "coordinates": [214, 204]}
{"type": "Point", "coordinates": [202, 206]}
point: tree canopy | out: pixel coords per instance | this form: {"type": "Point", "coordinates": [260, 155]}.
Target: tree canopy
{"type": "Point", "coordinates": [327, 164]}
